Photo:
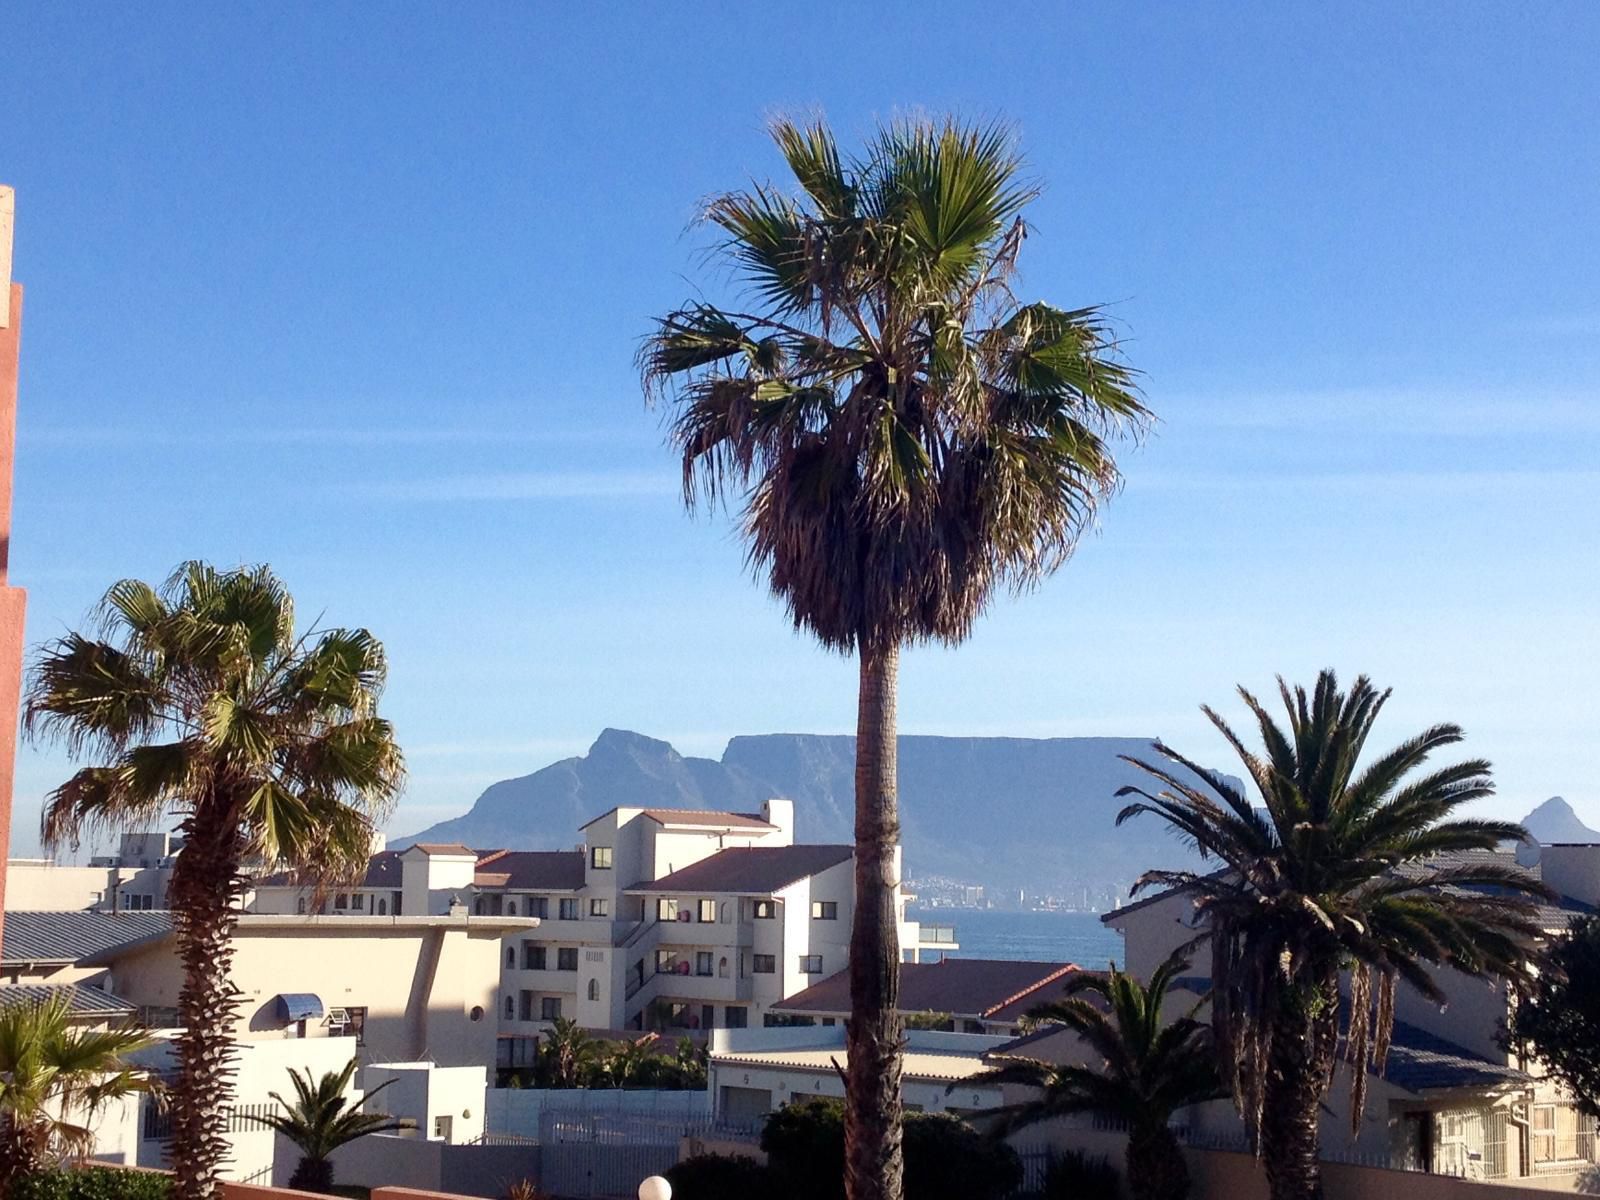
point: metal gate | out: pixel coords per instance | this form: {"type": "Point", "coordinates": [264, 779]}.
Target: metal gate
{"type": "Point", "coordinates": [603, 1158]}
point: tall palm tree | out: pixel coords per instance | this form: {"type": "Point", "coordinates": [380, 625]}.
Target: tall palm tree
{"type": "Point", "coordinates": [1148, 1069]}
{"type": "Point", "coordinates": [1346, 867]}
{"type": "Point", "coordinates": [322, 1119]}
{"type": "Point", "coordinates": [568, 1055]}
{"type": "Point", "coordinates": [904, 438]}
{"type": "Point", "coordinates": [56, 1078]}
{"type": "Point", "coordinates": [199, 700]}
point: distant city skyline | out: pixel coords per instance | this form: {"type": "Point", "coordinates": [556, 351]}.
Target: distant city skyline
{"type": "Point", "coordinates": [359, 295]}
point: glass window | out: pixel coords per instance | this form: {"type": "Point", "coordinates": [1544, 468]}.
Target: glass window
{"type": "Point", "coordinates": [765, 910]}
{"type": "Point", "coordinates": [811, 964]}
{"type": "Point", "coordinates": [666, 910]}
{"type": "Point", "coordinates": [511, 908]}
{"type": "Point", "coordinates": [600, 858]}
{"type": "Point", "coordinates": [599, 907]}
{"type": "Point", "coordinates": [549, 1008]}
{"type": "Point", "coordinates": [666, 962]}
{"type": "Point", "coordinates": [340, 902]}
{"type": "Point", "coordinates": [702, 962]}
{"type": "Point", "coordinates": [708, 911]}
{"type": "Point", "coordinates": [533, 957]}
{"type": "Point", "coordinates": [383, 908]}
{"type": "Point", "coordinates": [736, 1016]}
{"type": "Point", "coordinates": [538, 906]}
{"type": "Point", "coordinates": [511, 956]}
{"type": "Point", "coordinates": [824, 910]}
{"type": "Point", "coordinates": [511, 1009]}
{"type": "Point", "coordinates": [567, 958]}
{"type": "Point", "coordinates": [527, 1006]}
{"type": "Point", "coordinates": [594, 989]}
{"type": "Point", "coordinates": [763, 964]}
{"type": "Point", "coordinates": [300, 906]}
{"type": "Point", "coordinates": [356, 1024]}
{"type": "Point", "coordinates": [569, 908]}
{"type": "Point", "coordinates": [357, 901]}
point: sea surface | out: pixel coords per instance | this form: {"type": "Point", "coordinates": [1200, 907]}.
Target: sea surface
{"type": "Point", "coordinates": [1031, 936]}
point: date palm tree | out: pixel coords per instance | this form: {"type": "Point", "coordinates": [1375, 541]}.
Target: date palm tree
{"type": "Point", "coordinates": [904, 438]}
{"type": "Point", "coordinates": [1347, 867]}
{"type": "Point", "coordinates": [1149, 1067]}
{"type": "Point", "coordinates": [199, 701]}
{"type": "Point", "coordinates": [322, 1119]}
{"type": "Point", "coordinates": [56, 1078]}
{"type": "Point", "coordinates": [568, 1055]}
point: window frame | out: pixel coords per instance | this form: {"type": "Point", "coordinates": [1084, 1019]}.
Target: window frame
{"type": "Point", "coordinates": [824, 910]}
{"type": "Point", "coordinates": [702, 908]}
{"type": "Point", "coordinates": [763, 910]}
{"type": "Point", "coordinates": [806, 967]}
{"type": "Point", "coordinates": [565, 955]}
{"type": "Point", "coordinates": [600, 858]}
{"type": "Point", "coordinates": [757, 969]}
{"type": "Point", "coordinates": [599, 906]}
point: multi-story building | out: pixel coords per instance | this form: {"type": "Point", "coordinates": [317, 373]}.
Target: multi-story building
{"type": "Point", "coordinates": [660, 919]}
{"type": "Point", "coordinates": [132, 880]}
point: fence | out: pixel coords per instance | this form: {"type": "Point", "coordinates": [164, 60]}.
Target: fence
{"type": "Point", "coordinates": [519, 1111]}
{"type": "Point", "coordinates": [600, 1157]}
{"type": "Point", "coordinates": [242, 1118]}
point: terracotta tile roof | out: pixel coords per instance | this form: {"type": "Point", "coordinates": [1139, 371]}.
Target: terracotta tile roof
{"type": "Point", "coordinates": [700, 818]}
{"type": "Point", "coordinates": [971, 988]}
{"type": "Point", "coordinates": [748, 870]}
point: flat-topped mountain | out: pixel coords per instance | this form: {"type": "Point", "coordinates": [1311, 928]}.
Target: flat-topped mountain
{"type": "Point", "coordinates": [1037, 813]}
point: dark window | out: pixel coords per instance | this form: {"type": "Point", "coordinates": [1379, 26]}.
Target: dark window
{"type": "Point", "coordinates": [511, 1009]}
{"type": "Point", "coordinates": [566, 958]}
{"type": "Point", "coordinates": [511, 908]}
{"type": "Point", "coordinates": [594, 989]}
{"type": "Point", "coordinates": [811, 964]}
{"type": "Point", "coordinates": [383, 908]}
{"type": "Point", "coordinates": [736, 1016]}
{"type": "Point", "coordinates": [569, 909]}
{"type": "Point", "coordinates": [824, 910]}
{"type": "Point", "coordinates": [702, 962]}
{"type": "Point", "coordinates": [538, 906]}
{"type": "Point", "coordinates": [600, 858]}
{"type": "Point", "coordinates": [358, 902]}
{"type": "Point", "coordinates": [511, 956]}
{"type": "Point", "coordinates": [356, 1025]}
{"type": "Point", "coordinates": [599, 907]}
{"type": "Point", "coordinates": [533, 957]}
{"type": "Point", "coordinates": [549, 1008]}
{"type": "Point", "coordinates": [527, 1006]}
{"type": "Point", "coordinates": [341, 902]}
{"type": "Point", "coordinates": [708, 911]}
{"type": "Point", "coordinates": [763, 964]}
{"type": "Point", "coordinates": [765, 910]}
{"type": "Point", "coordinates": [300, 905]}
{"type": "Point", "coordinates": [708, 1016]}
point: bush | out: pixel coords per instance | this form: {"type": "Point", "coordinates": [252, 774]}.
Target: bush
{"type": "Point", "coordinates": [92, 1183]}
{"type": "Point", "coordinates": [719, 1177]}
{"type": "Point", "coordinates": [1073, 1175]}
{"type": "Point", "coordinates": [946, 1159]}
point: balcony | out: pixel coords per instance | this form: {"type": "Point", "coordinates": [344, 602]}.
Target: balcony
{"type": "Point", "coordinates": [937, 937]}
{"type": "Point", "coordinates": [707, 934]}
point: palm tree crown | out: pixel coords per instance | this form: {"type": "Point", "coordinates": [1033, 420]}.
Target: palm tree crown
{"type": "Point", "coordinates": [322, 1119]}
{"type": "Point", "coordinates": [1344, 867]}
{"type": "Point", "coordinates": [55, 1079]}
{"type": "Point", "coordinates": [908, 434]}
{"type": "Point", "coordinates": [199, 700]}
{"type": "Point", "coordinates": [1149, 1067]}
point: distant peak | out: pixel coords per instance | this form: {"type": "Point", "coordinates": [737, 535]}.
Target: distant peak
{"type": "Point", "coordinates": [1555, 806]}
{"type": "Point", "coordinates": [625, 741]}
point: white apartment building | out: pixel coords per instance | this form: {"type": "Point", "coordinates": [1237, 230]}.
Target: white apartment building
{"type": "Point", "coordinates": [661, 919]}
{"type": "Point", "coordinates": [134, 879]}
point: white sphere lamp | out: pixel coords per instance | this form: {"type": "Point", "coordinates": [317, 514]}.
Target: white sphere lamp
{"type": "Point", "coordinates": [655, 1188]}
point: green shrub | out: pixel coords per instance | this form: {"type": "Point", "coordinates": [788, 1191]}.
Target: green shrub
{"type": "Point", "coordinates": [1073, 1175]}
{"type": "Point", "coordinates": [720, 1177]}
{"type": "Point", "coordinates": [92, 1183]}
{"type": "Point", "coordinates": [946, 1159]}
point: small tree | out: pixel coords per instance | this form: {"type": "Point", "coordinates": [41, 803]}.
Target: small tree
{"type": "Point", "coordinates": [55, 1079]}
{"type": "Point", "coordinates": [322, 1119]}
{"type": "Point", "coordinates": [1558, 1017]}
{"type": "Point", "coordinates": [568, 1056]}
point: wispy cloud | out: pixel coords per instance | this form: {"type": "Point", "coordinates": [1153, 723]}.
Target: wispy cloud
{"type": "Point", "coordinates": [521, 485]}
{"type": "Point", "coordinates": [1428, 412]}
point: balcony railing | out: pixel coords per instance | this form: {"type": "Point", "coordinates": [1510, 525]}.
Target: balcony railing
{"type": "Point", "coordinates": [936, 935]}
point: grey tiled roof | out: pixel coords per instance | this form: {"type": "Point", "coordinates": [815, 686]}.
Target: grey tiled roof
{"type": "Point", "coordinates": [1420, 1061]}
{"type": "Point", "coordinates": [76, 936]}
{"type": "Point", "coordinates": [973, 988]}
{"type": "Point", "coordinates": [83, 1000]}
{"type": "Point", "coordinates": [749, 870]}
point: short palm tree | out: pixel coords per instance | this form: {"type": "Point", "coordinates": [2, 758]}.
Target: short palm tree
{"type": "Point", "coordinates": [1149, 1068]}
{"type": "Point", "coordinates": [199, 700]}
{"type": "Point", "coordinates": [56, 1078]}
{"type": "Point", "coordinates": [568, 1055]}
{"type": "Point", "coordinates": [904, 438]}
{"type": "Point", "coordinates": [322, 1119]}
{"type": "Point", "coordinates": [1345, 868]}
{"type": "Point", "coordinates": [635, 1062]}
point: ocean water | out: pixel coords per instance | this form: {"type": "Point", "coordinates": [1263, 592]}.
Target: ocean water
{"type": "Point", "coordinates": [1032, 936]}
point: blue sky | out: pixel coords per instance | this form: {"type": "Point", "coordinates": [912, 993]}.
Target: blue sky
{"type": "Point", "coordinates": [356, 291]}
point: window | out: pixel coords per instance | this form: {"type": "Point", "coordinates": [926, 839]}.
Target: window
{"type": "Point", "coordinates": [566, 958]}
{"type": "Point", "coordinates": [527, 1006]}
{"type": "Point", "coordinates": [722, 967]}
{"type": "Point", "coordinates": [763, 964]}
{"type": "Point", "coordinates": [708, 911]}
{"type": "Point", "coordinates": [594, 989]}
{"type": "Point", "coordinates": [811, 964]}
{"type": "Point", "coordinates": [824, 910]}
{"type": "Point", "coordinates": [341, 902]}
{"type": "Point", "coordinates": [764, 910]}
{"type": "Point", "coordinates": [383, 908]}
{"type": "Point", "coordinates": [511, 956]}
{"type": "Point", "coordinates": [666, 910]}
{"type": "Point", "coordinates": [355, 1025]}
{"type": "Point", "coordinates": [599, 907]}
{"type": "Point", "coordinates": [600, 858]}
{"type": "Point", "coordinates": [666, 962]}
{"type": "Point", "coordinates": [511, 1009]}
{"type": "Point", "coordinates": [1560, 1133]}
{"type": "Point", "coordinates": [702, 962]}
{"type": "Point", "coordinates": [358, 902]}
{"type": "Point", "coordinates": [533, 957]}
{"type": "Point", "coordinates": [550, 1008]}
{"type": "Point", "coordinates": [708, 1016]}
{"type": "Point", "coordinates": [736, 1016]}
{"type": "Point", "coordinates": [569, 908]}
{"type": "Point", "coordinates": [300, 906]}
{"type": "Point", "coordinates": [511, 908]}
{"type": "Point", "coordinates": [538, 906]}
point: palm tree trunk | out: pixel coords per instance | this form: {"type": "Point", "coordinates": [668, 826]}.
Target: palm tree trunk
{"type": "Point", "coordinates": [1155, 1164]}
{"type": "Point", "coordinates": [1298, 1066]}
{"type": "Point", "coordinates": [204, 893]}
{"type": "Point", "coordinates": [312, 1175]}
{"type": "Point", "coordinates": [873, 1162]}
